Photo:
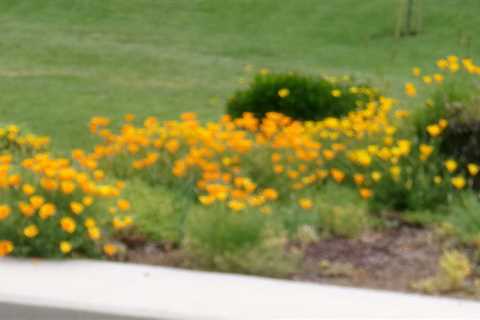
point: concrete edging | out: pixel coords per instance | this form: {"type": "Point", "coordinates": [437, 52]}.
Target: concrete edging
{"type": "Point", "coordinates": [82, 289]}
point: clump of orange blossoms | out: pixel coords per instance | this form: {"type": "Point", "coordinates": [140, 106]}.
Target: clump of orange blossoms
{"type": "Point", "coordinates": [52, 208]}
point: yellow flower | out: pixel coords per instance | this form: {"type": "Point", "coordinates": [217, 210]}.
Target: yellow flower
{"type": "Point", "coordinates": [425, 151]}
{"type": "Point", "coordinates": [110, 249]}
{"type": "Point", "coordinates": [416, 71]}
{"type": "Point", "coordinates": [459, 182]}
{"type": "Point", "coordinates": [434, 130]}
{"type": "Point", "coordinates": [256, 201]}
{"type": "Point", "coordinates": [264, 71]}
{"type": "Point", "coordinates": [90, 223]}
{"type": "Point", "coordinates": [87, 201]}
{"type": "Point", "coordinates": [76, 207]}
{"type": "Point", "coordinates": [376, 176]}
{"type": "Point", "coordinates": [305, 203]}
{"type": "Point", "coordinates": [37, 201]}
{"type": "Point", "coordinates": [99, 175]}
{"type": "Point", "coordinates": [410, 89]}
{"type": "Point", "coordinates": [28, 189]}
{"type": "Point", "coordinates": [236, 205]}
{"type": "Point", "coordinates": [395, 171]}
{"type": "Point", "coordinates": [442, 64]}
{"type": "Point", "coordinates": [172, 146]}
{"type": "Point", "coordinates": [68, 224]}
{"type": "Point", "coordinates": [451, 165]}
{"type": "Point", "coordinates": [283, 93]}
{"type": "Point", "coordinates": [65, 247]}
{"type": "Point", "coordinates": [427, 79]}
{"type": "Point", "coordinates": [5, 212]}
{"type": "Point", "coordinates": [473, 169]}
{"type": "Point", "coordinates": [31, 231]}
{"type": "Point", "coordinates": [336, 93]}
{"type": "Point", "coordinates": [67, 187]}
{"type": "Point", "coordinates": [94, 233]}
{"type": "Point", "coordinates": [404, 147]}
{"type": "Point", "coordinates": [270, 194]}
{"type": "Point", "coordinates": [437, 179]}
{"type": "Point", "coordinates": [6, 247]}
{"type": "Point", "coordinates": [47, 210]}
{"type": "Point", "coordinates": [206, 200]}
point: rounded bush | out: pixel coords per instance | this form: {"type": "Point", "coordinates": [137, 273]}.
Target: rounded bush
{"type": "Point", "coordinates": [298, 96]}
{"type": "Point", "coordinates": [459, 137]}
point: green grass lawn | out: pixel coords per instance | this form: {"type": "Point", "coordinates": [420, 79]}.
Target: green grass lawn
{"type": "Point", "coordinates": [62, 62]}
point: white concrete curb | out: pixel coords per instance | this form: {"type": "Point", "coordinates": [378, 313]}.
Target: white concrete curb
{"type": "Point", "coordinates": [136, 291]}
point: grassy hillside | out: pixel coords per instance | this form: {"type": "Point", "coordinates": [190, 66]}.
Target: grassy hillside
{"type": "Point", "coordinates": [62, 62]}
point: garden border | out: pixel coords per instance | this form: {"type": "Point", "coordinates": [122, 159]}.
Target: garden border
{"type": "Point", "coordinates": [129, 291]}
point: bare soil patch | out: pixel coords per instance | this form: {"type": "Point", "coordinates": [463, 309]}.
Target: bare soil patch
{"type": "Point", "coordinates": [391, 259]}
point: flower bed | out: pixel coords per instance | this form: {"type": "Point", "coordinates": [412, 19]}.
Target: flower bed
{"type": "Point", "coordinates": [256, 195]}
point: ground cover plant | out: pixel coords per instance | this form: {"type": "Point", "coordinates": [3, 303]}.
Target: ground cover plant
{"type": "Point", "coordinates": [250, 194]}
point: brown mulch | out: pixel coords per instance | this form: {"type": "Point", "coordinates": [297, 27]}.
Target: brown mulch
{"type": "Point", "coordinates": [392, 259]}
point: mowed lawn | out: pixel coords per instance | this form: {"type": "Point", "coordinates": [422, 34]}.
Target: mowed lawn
{"type": "Point", "coordinates": [62, 62]}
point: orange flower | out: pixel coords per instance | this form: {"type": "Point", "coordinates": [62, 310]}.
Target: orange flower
{"type": "Point", "coordinates": [47, 210]}
{"type": "Point", "coordinates": [6, 247]}
{"type": "Point", "coordinates": [31, 231]}
{"type": "Point", "coordinates": [76, 207]}
{"type": "Point", "coordinates": [5, 212]}
{"type": "Point", "coordinates": [68, 224]}
{"type": "Point", "coordinates": [110, 249]}
{"type": "Point", "coordinates": [337, 175]}
{"type": "Point", "coordinates": [28, 189]}
{"type": "Point", "coordinates": [366, 193]}
{"type": "Point", "coordinates": [270, 194]}
{"type": "Point", "coordinates": [26, 209]}
{"type": "Point", "coordinates": [123, 205]}
{"type": "Point", "coordinates": [305, 203]}
{"type": "Point", "coordinates": [410, 89]}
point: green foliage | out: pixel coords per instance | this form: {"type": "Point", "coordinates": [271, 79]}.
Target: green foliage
{"type": "Point", "coordinates": [245, 242]}
{"type": "Point", "coordinates": [346, 218]}
{"type": "Point", "coordinates": [216, 230]}
{"type": "Point", "coordinates": [297, 96]}
{"type": "Point", "coordinates": [413, 190]}
{"type": "Point", "coordinates": [160, 212]}
{"type": "Point", "coordinates": [465, 217]}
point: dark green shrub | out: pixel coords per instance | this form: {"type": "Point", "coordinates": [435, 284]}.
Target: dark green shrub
{"type": "Point", "coordinates": [298, 96]}
{"type": "Point", "coordinates": [413, 190]}
{"type": "Point", "coordinates": [461, 138]}
{"type": "Point", "coordinates": [459, 104]}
